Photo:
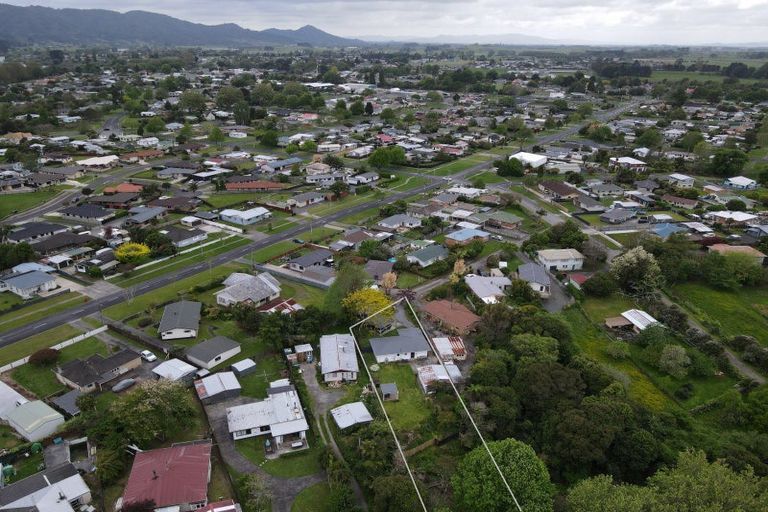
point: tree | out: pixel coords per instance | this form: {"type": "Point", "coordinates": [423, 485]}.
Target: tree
{"type": "Point", "coordinates": [132, 253]}
{"type": "Point", "coordinates": [242, 112]}
{"type": "Point", "coordinates": [154, 125]}
{"type": "Point", "coordinates": [334, 161]}
{"type": "Point", "coordinates": [228, 96]}
{"type": "Point", "coordinates": [357, 108]}
{"type": "Point", "coordinates": [44, 357]}
{"type": "Point", "coordinates": [599, 493]}
{"type": "Point", "coordinates": [369, 109]}
{"type": "Point", "coordinates": [388, 281]}
{"type": "Point", "coordinates": [728, 162]}
{"type": "Point", "coordinates": [601, 284]}
{"type": "Point", "coordinates": [636, 271]}
{"type": "Point", "coordinates": [372, 250]}
{"type": "Point", "coordinates": [478, 486]}
{"type": "Point", "coordinates": [109, 465]}
{"type": "Point", "coordinates": [269, 138]}
{"type": "Point", "coordinates": [216, 135]}
{"type": "Point", "coordinates": [674, 360]}
{"type": "Point", "coordinates": [349, 278]}
{"type": "Point", "coordinates": [395, 493]}
{"type": "Point", "coordinates": [339, 188]}
{"type": "Point", "coordinates": [379, 158]}
{"type": "Point", "coordinates": [184, 134]}
{"type": "Point", "coordinates": [530, 348]}
{"type": "Point", "coordinates": [258, 495]}
{"type": "Point", "coordinates": [459, 269]}
{"type": "Point", "coordinates": [388, 115]}
{"type": "Point", "coordinates": [367, 301]}
{"type": "Point", "coordinates": [650, 138]}
{"type": "Point", "coordinates": [192, 102]}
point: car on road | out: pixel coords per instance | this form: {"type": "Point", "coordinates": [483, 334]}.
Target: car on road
{"type": "Point", "coordinates": [497, 237]}
{"type": "Point", "coordinates": [298, 241]}
{"type": "Point", "coordinates": [148, 356]}
{"type": "Point", "coordinates": [123, 385]}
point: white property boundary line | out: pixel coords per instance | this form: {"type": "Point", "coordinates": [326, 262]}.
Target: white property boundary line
{"type": "Point", "coordinates": [58, 346]}
{"type": "Point", "coordinates": [455, 390]}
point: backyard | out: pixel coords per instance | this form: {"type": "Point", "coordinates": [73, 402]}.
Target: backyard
{"type": "Point", "coordinates": [412, 409]}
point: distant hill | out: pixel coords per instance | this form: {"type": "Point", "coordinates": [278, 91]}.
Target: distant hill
{"type": "Point", "coordinates": [45, 25]}
{"type": "Point", "coordinates": [504, 39]}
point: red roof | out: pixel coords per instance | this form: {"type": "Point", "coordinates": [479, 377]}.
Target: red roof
{"type": "Point", "coordinates": [451, 314]}
{"type": "Point", "coordinates": [220, 506]}
{"type": "Point", "coordinates": [170, 476]}
{"type": "Point", "coordinates": [579, 278]}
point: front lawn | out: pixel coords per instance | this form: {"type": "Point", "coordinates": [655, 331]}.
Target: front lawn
{"type": "Point", "coordinates": [457, 166]}
{"type": "Point", "coordinates": [272, 251]}
{"type": "Point", "coordinates": [289, 465]}
{"type": "Point", "coordinates": [303, 293]}
{"type": "Point", "coordinates": [408, 280]}
{"type": "Point", "coordinates": [312, 499]}
{"type": "Point", "coordinates": [25, 347]}
{"type": "Point", "coordinates": [11, 203]}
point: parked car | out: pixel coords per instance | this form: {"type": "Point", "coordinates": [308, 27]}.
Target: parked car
{"type": "Point", "coordinates": [148, 356]}
{"type": "Point", "coordinates": [123, 385]}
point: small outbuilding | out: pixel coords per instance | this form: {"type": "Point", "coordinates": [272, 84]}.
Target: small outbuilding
{"type": "Point", "coordinates": [348, 415]}
{"type": "Point", "coordinates": [212, 352]}
{"type": "Point", "coordinates": [244, 367]}
{"type": "Point", "coordinates": [35, 420]}
{"type": "Point", "coordinates": [217, 387]}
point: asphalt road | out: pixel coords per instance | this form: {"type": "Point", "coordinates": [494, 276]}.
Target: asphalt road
{"type": "Point", "coordinates": [99, 304]}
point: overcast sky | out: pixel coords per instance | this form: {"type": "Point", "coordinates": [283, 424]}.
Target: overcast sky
{"type": "Point", "coordinates": [606, 21]}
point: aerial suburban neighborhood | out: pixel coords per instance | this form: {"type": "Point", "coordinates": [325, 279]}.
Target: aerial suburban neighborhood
{"type": "Point", "coordinates": [282, 270]}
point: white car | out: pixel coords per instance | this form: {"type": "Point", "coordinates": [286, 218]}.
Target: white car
{"type": "Point", "coordinates": [148, 356]}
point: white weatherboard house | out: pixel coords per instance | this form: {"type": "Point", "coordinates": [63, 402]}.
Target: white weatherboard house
{"type": "Point", "coordinates": [27, 285]}
{"type": "Point", "coordinates": [488, 289]}
{"type": "Point", "coordinates": [560, 259]}
{"type": "Point", "coordinates": [212, 352]}
{"type": "Point", "coordinates": [338, 360]}
{"type": "Point", "coordinates": [245, 218]}
{"type": "Point", "coordinates": [409, 344]}
{"type": "Point", "coordinates": [180, 320]}
{"type": "Point", "coordinates": [740, 183]}
{"type": "Point", "coordinates": [246, 288]}
{"type": "Point", "coordinates": [280, 416]}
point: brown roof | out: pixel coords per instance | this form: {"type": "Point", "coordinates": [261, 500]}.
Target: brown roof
{"type": "Point", "coordinates": [736, 249]}
{"type": "Point", "coordinates": [679, 200]}
{"type": "Point", "coordinates": [124, 187]}
{"type": "Point", "coordinates": [147, 153]}
{"type": "Point", "coordinates": [558, 187]}
{"type": "Point", "coordinates": [452, 314]}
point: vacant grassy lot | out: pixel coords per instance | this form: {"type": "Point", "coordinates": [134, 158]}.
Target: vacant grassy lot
{"type": "Point", "coordinates": [744, 311]}
{"type": "Point", "coordinates": [10, 203]}
{"type": "Point", "coordinates": [362, 217]}
{"type": "Point", "coordinates": [625, 239]}
{"type": "Point", "coordinates": [271, 252]}
{"type": "Point", "coordinates": [41, 381]}
{"type": "Point", "coordinates": [34, 343]}
{"type": "Point", "coordinates": [409, 280]}
{"type": "Point", "coordinates": [329, 207]}
{"type": "Point", "coordinates": [8, 300]}
{"type": "Point", "coordinates": [412, 409]}
{"type": "Point", "coordinates": [408, 183]}
{"type": "Point", "coordinates": [226, 200]}
{"type": "Point", "coordinates": [488, 177]}
{"type": "Point", "coordinates": [457, 166]}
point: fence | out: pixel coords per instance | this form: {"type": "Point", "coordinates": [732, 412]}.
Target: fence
{"type": "Point", "coordinates": [63, 344]}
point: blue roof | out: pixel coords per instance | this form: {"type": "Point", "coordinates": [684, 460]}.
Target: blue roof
{"type": "Point", "coordinates": [666, 229]}
{"type": "Point", "coordinates": [467, 234]}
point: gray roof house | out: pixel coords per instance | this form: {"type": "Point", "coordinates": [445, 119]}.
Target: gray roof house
{"type": "Point", "coordinates": [90, 374]}
{"type": "Point", "coordinates": [409, 344]}
{"type": "Point", "coordinates": [428, 255]}
{"type": "Point", "coordinates": [240, 287]}
{"type": "Point", "coordinates": [338, 359]}
{"type": "Point", "coordinates": [180, 320]}
{"type": "Point", "coordinates": [143, 214]}
{"type": "Point", "coordinates": [184, 237]}
{"type": "Point", "coordinates": [88, 213]}
{"type": "Point", "coordinates": [28, 284]}
{"type": "Point", "coordinates": [399, 221]}
{"type": "Point", "coordinates": [55, 489]}
{"type": "Point", "coordinates": [314, 258]}
{"type": "Point", "coordinates": [211, 352]}
{"type": "Point", "coordinates": [35, 230]}
{"type": "Point", "coordinates": [377, 268]}
{"type": "Point", "coordinates": [536, 276]}
{"type": "Point", "coordinates": [617, 215]}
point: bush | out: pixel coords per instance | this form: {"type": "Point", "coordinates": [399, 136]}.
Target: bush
{"type": "Point", "coordinates": [602, 284]}
{"type": "Point", "coordinates": [684, 392]}
{"type": "Point", "coordinates": [145, 321]}
{"type": "Point", "coordinates": [44, 357]}
{"type": "Point", "coordinates": [618, 350]}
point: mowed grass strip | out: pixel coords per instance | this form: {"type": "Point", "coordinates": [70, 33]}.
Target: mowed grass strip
{"type": "Point", "coordinates": [11, 203]}
{"type": "Point", "coordinates": [28, 346]}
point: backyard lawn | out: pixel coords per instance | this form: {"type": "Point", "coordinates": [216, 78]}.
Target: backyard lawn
{"type": "Point", "coordinates": [289, 465]}
{"type": "Point", "coordinates": [21, 202]}
{"type": "Point", "coordinates": [730, 312]}
{"type": "Point", "coordinates": [408, 280]}
{"type": "Point", "coordinates": [25, 347]}
{"type": "Point", "coordinates": [228, 200]}
{"type": "Point", "coordinates": [41, 381]}
{"type": "Point", "coordinates": [412, 409]}
{"type": "Point", "coordinates": [312, 499]}
{"type": "Point", "coordinates": [303, 294]}
{"type": "Point", "coordinates": [625, 239]}
{"type": "Point", "coordinates": [271, 252]}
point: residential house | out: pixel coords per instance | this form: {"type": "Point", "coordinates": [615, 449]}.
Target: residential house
{"type": "Point", "coordinates": [407, 345]}
{"type": "Point", "coordinates": [537, 278]}
{"type": "Point", "coordinates": [560, 259]}
{"type": "Point", "coordinates": [740, 183]}
{"type": "Point", "coordinates": [588, 204]}
{"type": "Point", "coordinates": [627, 162]}
{"type": "Point", "coordinates": [120, 201]}
{"type": "Point", "coordinates": [647, 186]}
{"type": "Point", "coordinates": [174, 478]}
{"type": "Point", "coordinates": [488, 289]}
{"type": "Point", "coordinates": [465, 237]}
{"type": "Point", "coordinates": [680, 180]}
{"type": "Point", "coordinates": [365, 178]}
{"type": "Point", "coordinates": [88, 213]}
{"type": "Point", "coordinates": [180, 320]}
{"type": "Point", "coordinates": [305, 199]}
{"type": "Point", "coordinates": [212, 352]}
{"type": "Point", "coordinates": [124, 188]}
{"type": "Point", "coordinates": [251, 184]}
{"type": "Point", "coordinates": [256, 289]}
{"type": "Point", "coordinates": [531, 160]}
{"type": "Point", "coordinates": [498, 219]}
{"type": "Point", "coordinates": [428, 255]}
{"type": "Point", "coordinates": [34, 231]}
{"type": "Point", "coordinates": [680, 202]}
{"type": "Point", "coordinates": [757, 232]}
{"type": "Point", "coordinates": [617, 215]}
{"type": "Point", "coordinates": [732, 218]}
{"type": "Point", "coordinates": [219, 386]}
{"type": "Point", "coordinates": [28, 284]}
{"type": "Point", "coordinates": [635, 319]}
{"type": "Point", "coordinates": [746, 250]}
{"type": "Point", "coordinates": [142, 215]}
{"type": "Point", "coordinates": [399, 222]}
{"type": "Point", "coordinates": [316, 258]}
{"type": "Point", "coordinates": [606, 190]}
{"type": "Point", "coordinates": [376, 269]}
{"type": "Point", "coordinates": [181, 238]}
{"type": "Point", "coordinates": [451, 316]}
{"type": "Point", "coordinates": [35, 420]}
{"type": "Point", "coordinates": [559, 190]}
{"type": "Point", "coordinates": [245, 218]}
{"type": "Point", "coordinates": [87, 375]}
{"type": "Point", "coordinates": [59, 488]}
{"type": "Point", "coordinates": [280, 417]}
{"type": "Point", "coordinates": [338, 359]}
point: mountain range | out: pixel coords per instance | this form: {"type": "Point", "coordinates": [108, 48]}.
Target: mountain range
{"type": "Point", "coordinates": [45, 25]}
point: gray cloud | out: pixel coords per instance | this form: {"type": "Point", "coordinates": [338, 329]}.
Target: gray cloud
{"type": "Point", "coordinates": [606, 21]}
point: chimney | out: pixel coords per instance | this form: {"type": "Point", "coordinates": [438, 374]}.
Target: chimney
{"type": "Point", "coordinates": [154, 475]}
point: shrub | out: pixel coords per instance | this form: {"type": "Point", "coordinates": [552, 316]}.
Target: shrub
{"type": "Point", "coordinates": [144, 321]}
{"type": "Point", "coordinates": [44, 357]}
{"type": "Point", "coordinates": [618, 350]}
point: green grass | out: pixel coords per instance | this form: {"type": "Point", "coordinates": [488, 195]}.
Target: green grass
{"type": "Point", "coordinates": [531, 223]}
{"type": "Point", "coordinates": [289, 465]}
{"type": "Point", "coordinates": [226, 200]}
{"type": "Point", "coordinates": [27, 466]}
{"type": "Point", "coordinates": [303, 294]}
{"type": "Point", "coordinates": [8, 438]}
{"type": "Point", "coordinates": [25, 347]}
{"type": "Point", "coordinates": [594, 220]}
{"type": "Point", "coordinates": [329, 207]}
{"type": "Point", "coordinates": [271, 252]}
{"type": "Point", "coordinates": [488, 177]}
{"type": "Point", "coordinates": [457, 166]}
{"type": "Point", "coordinates": [170, 292]}
{"type": "Point", "coordinates": [41, 380]}
{"type": "Point", "coordinates": [674, 76]}
{"type": "Point", "coordinates": [729, 313]}
{"type": "Point", "coordinates": [412, 409]}
{"type": "Point", "coordinates": [39, 310]}
{"type": "Point", "coordinates": [312, 499]}
{"type": "Point", "coordinates": [26, 200]}
{"type": "Point", "coordinates": [625, 239]}
{"type": "Point", "coordinates": [409, 183]}
{"type": "Point", "coordinates": [269, 367]}
{"type": "Point", "coordinates": [179, 262]}
{"type": "Point", "coordinates": [409, 280]}
{"type": "Point", "coordinates": [8, 300]}
{"type": "Point", "coordinates": [593, 342]}
{"type": "Point", "coordinates": [362, 217]}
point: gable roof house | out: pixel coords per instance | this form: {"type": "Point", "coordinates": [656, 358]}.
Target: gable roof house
{"type": "Point", "coordinates": [181, 238]}
{"type": "Point", "coordinates": [537, 278]}
{"type": "Point", "coordinates": [175, 478]}
{"type": "Point", "coordinates": [280, 416]}
{"type": "Point", "coordinates": [376, 269]}
{"type": "Point", "coordinates": [338, 359]}
{"type": "Point", "coordinates": [451, 316]}
{"type": "Point", "coordinates": [90, 213]}
{"type": "Point", "coordinates": [560, 259]}
{"type": "Point", "coordinates": [55, 489]}
{"type": "Point", "coordinates": [35, 420]}
{"type": "Point", "coordinates": [119, 201]}
{"type": "Point", "coordinates": [680, 180]}
{"type": "Point", "coordinates": [34, 231]}
{"type": "Point", "coordinates": [740, 183]}
{"type": "Point", "coordinates": [245, 218]}
{"type": "Point", "coordinates": [617, 215]}
{"type": "Point", "coordinates": [212, 352]}
{"type": "Point", "coordinates": [559, 190]}
{"type": "Point", "coordinates": [180, 320]}
{"type": "Point", "coordinates": [86, 375]}
{"type": "Point", "coordinates": [606, 190]}
{"type": "Point", "coordinates": [588, 204]}
{"type": "Point", "coordinates": [428, 255]}
{"type": "Point", "coordinates": [466, 236]}
{"type": "Point", "coordinates": [680, 202]}
{"type": "Point", "coordinates": [408, 344]}
{"type": "Point", "coordinates": [217, 387]}
{"type": "Point", "coordinates": [246, 288]}
{"type": "Point", "coordinates": [28, 284]}
{"type": "Point", "coordinates": [488, 289]}
{"type": "Point", "coordinates": [315, 258]}
{"type": "Point", "coordinates": [398, 222]}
